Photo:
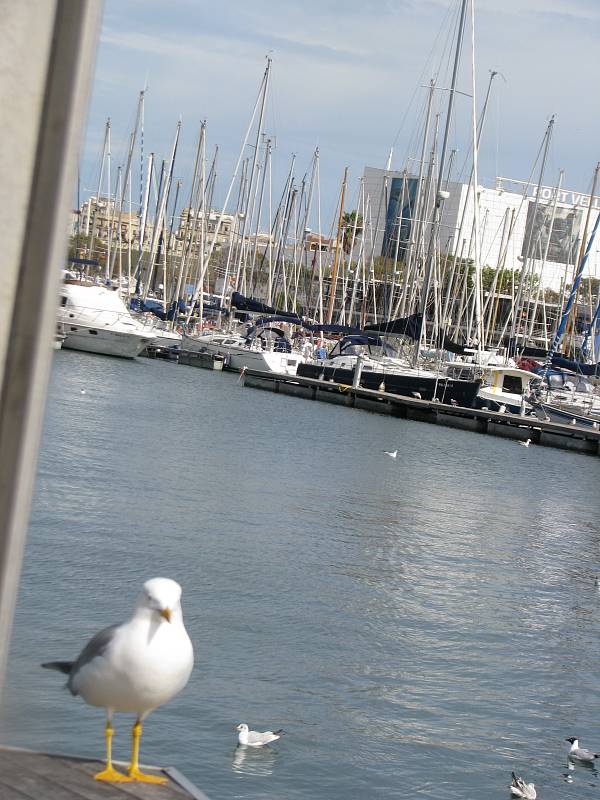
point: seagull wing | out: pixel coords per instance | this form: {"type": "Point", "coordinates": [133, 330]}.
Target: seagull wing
{"type": "Point", "coordinates": [264, 737]}
{"type": "Point", "coordinates": [96, 646]}
{"type": "Point", "coordinates": [582, 754]}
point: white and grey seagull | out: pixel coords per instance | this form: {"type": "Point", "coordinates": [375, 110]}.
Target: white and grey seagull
{"type": "Point", "coordinates": [134, 668]}
{"type": "Point", "coordinates": [256, 738]}
{"type": "Point", "coordinates": [391, 453]}
{"type": "Point", "coordinates": [519, 788]}
{"type": "Point", "coordinates": [577, 753]}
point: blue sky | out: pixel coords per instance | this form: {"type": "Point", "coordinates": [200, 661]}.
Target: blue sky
{"type": "Point", "coordinates": [347, 77]}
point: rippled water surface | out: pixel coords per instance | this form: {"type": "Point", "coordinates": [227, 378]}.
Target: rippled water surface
{"type": "Point", "coordinates": [418, 627]}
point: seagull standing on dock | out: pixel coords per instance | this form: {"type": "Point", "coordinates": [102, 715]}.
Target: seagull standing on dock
{"type": "Point", "coordinates": [577, 753]}
{"type": "Point", "coordinates": [525, 444]}
{"type": "Point", "coordinates": [254, 738]}
{"type": "Point", "coordinates": [134, 667]}
{"type": "Point", "coordinates": [518, 788]}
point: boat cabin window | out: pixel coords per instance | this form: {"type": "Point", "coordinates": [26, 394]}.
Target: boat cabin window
{"type": "Point", "coordinates": [94, 333]}
{"type": "Point", "coordinates": [512, 383]}
{"type": "Point", "coordinates": [63, 301]}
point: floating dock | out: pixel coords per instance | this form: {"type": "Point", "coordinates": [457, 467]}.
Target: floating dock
{"type": "Point", "coordinates": [494, 423]}
{"type": "Point", "coordinates": [26, 775]}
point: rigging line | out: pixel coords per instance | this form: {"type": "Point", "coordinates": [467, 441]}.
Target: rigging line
{"type": "Point", "coordinates": [449, 29]}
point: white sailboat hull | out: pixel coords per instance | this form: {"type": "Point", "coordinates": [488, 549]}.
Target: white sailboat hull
{"type": "Point", "coordinates": [238, 356]}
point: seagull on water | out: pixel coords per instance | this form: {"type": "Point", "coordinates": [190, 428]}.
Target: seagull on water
{"type": "Point", "coordinates": [577, 753]}
{"type": "Point", "coordinates": [519, 788]}
{"type": "Point", "coordinates": [525, 444]}
{"type": "Point", "coordinates": [134, 668]}
{"type": "Point", "coordinates": [391, 454]}
{"type": "Point", "coordinates": [254, 738]}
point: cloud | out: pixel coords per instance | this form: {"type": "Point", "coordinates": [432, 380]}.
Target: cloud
{"type": "Point", "coordinates": [348, 76]}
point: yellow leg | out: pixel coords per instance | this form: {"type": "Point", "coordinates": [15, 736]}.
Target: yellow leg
{"type": "Point", "coordinates": [110, 773]}
{"type": "Point", "coordinates": [134, 767]}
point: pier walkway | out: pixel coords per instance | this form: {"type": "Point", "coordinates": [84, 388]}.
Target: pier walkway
{"type": "Point", "coordinates": [26, 775]}
{"type": "Point", "coordinates": [494, 423]}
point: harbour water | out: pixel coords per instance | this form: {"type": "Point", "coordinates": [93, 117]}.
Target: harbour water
{"type": "Point", "coordinates": [418, 627]}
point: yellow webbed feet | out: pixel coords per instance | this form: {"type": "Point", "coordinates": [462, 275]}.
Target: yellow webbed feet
{"type": "Point", "coordinates": [111, 775]}
{"type": "Point", "coordinates": [134, 774]}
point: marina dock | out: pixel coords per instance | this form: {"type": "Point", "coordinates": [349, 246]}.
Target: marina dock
{"type": "Point", "coordinates": [27, 775]}
{"type": "Point", "coordinates": [494, 423]}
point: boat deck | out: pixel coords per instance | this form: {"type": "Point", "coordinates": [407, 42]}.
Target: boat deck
{"type": "Point", "coordinates": [26, 775]}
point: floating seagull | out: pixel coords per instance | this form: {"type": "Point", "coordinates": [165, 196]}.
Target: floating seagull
{"type": "Point", "coordinates": [391, 454]}
{"type": "Point", "coordinates": [83, 391]}
{"type": "Point", "coordinates": [134, 667]}
{"type": "Point", "coordinates": [597, 582]}
{"type": "Point", "coordinates": [580, 753]}
{"type": "Point", "coordinates": [518, 788]}
{"type": "Point", "coordinates": [254, 738]}
{"type": "Point", "coordinates": [525, 444]}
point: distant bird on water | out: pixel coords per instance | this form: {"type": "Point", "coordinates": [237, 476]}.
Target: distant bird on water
{"type": "Point", "coordinates": [255, 738]}
{"type": "Point", "coordinates": [525, 444]}
{"type": "Point", "coordinates": [577, 753]}
{"type": "Point", "coordinates": [391, 454]}
{"type": "Point", "coordinates": [519, 788]}
{"type": "Point", "coordinates": [597, 582]}
{"type": "Point", "coordinates": [134, 668]}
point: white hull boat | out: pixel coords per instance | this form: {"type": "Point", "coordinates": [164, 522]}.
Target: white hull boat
{"type": "Point", "coordinates": [241, 354]}
{"type": "Point", "coordinates": [95, 319]}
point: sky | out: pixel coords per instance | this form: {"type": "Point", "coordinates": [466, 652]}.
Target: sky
{"type": "Point", "coordinates": [349, 78]}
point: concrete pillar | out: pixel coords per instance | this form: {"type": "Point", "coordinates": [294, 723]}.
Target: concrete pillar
{"type": "Point", "coordinates": [47, 51]}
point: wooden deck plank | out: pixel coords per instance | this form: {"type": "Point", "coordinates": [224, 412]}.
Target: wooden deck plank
{"type": "Point", "coordinates": [26, 775]}
{"type": "Point", "coordinates": [10, 793]}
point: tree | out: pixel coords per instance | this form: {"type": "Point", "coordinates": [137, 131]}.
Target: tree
{"type": "Point", "coordinates": [349, 219]}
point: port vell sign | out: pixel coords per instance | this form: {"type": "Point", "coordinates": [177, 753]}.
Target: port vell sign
{"type": "Point", "coordinates": [547, 194]}
{"type": "Point", "coordinates": [565, 198]}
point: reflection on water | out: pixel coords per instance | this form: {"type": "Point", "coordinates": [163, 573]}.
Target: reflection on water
{"type": "Point", "coordinates": [424, 625]}
{"type": "Point", "coordinates": [254, 760]}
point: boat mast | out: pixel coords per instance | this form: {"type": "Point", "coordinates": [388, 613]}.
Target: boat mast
{"type": "Point", "coordinates": [213, 243]}
{"type": "Point", "coordinates": [334, 269]}
{"type": "Point", "coordinates": [528, 258]}
{"type": "Point", "coordinates": [126, 178]}
{"type": "Point", "coordinates": [477, 253]}
{"type": "Point", "coordinates": [438, 195]}
{"type": "Point", "coordinates": [108, 211]}
{"type": "Point", "coordinates": [583, 259]}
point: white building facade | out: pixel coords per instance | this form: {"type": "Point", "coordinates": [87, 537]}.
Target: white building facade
{"type": "Point", "coordinates": [513, 222]}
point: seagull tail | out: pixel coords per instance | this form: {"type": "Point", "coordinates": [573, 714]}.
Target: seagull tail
{"type": "Point", "coordinates": [59, 666]}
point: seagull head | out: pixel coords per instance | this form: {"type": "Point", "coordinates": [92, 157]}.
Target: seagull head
{"type": "Point", "coordinates": [572, 739]}
{"type": "Point", "coordinates": [161, 596]}
{"type": "Point", "coordinates": [242, 727]}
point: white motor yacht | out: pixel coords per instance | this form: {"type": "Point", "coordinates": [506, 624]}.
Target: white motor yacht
{"type": "Point", "coordinates": [95, 319]}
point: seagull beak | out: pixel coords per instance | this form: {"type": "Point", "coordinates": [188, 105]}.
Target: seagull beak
{"type": "Point", "coordinates": [165, 614]}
